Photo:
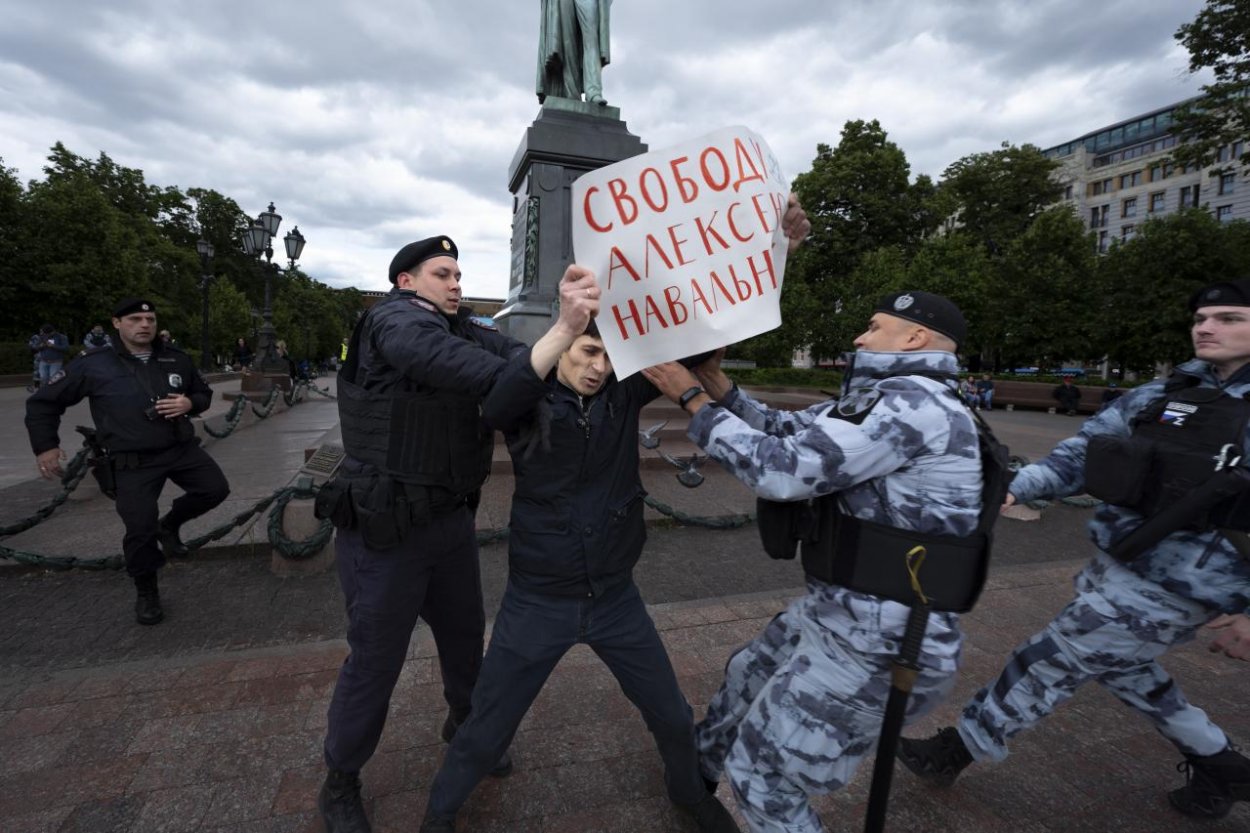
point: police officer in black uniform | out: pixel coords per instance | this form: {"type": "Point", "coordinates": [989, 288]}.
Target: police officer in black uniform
{"type": "Point", "coordinates": [141, 393]}
{"type": "Point", "coordinates": [409, 394]}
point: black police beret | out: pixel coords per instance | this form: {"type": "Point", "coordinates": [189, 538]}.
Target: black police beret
{"type": "Point", "coordinates": [928, 310]}
{"type": "Point", "coordinates": [414, 253]}
{"type": "Point", "coordinates": [1225, 294]}
{"type": "Point", "coordinates": [128, 305]}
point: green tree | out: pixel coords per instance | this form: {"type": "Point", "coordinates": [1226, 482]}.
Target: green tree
{"type": "Point", "coordinates": [859, 199]}
{"type": "Point", "coordinates": [12, 238]}
{"type": "Point", "coordinates": [997, 195]}
{"type": "Point", "coordinates": [1149, 279]}
{"type": "Point", "coordinates": [958, 268]}
{"type": "Point", "coordinates": [229, 318]}
{"type": "Point", "coordinates": [1217, 39]}
{"type": "Point", "coordinates": [1050, 303]}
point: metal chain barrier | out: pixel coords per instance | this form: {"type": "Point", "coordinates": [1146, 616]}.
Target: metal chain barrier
{"type": "Point", "coordinates": [724, 522]}
{"type": "Point", "coordinates": [74, 473]}
{"type": "Point", "coordinates": [285, 546]}
{"type": "Point", "coordinates": [270, 401]}
{"type": "Point", "coordinates": [232, 419]}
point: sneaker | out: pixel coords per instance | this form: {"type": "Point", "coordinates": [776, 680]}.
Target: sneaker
{"type": "Point", "coordinates": [340, 804]}
{"type": "Point", "coordinates": [939, 759]}
{"type": "Point", "coordinates": [501, 769]}
{"type": "Point", "coordinates": [148, 610]}
{"type": "Point", "coordinates": [710, 816]}
{"type": "Point", "coordinates": [1213, 784]}
{"type": "Point", "coordinates": [171, 543]}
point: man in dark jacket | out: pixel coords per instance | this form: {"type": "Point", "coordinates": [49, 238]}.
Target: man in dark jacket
{"type": "Point", "coordinates": [1067, 395]}
{"type": "Point", "coordinates": [141, 393]}
{"type": "Point", "coordinates": [575, 534]}
{"type": "Point", "coordinates": [409, 395]}
{"type": "Point", "coordinates": [49, 348]}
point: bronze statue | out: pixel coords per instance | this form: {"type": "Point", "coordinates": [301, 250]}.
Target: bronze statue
{"type": "Point", "coordinates": [573, 49]}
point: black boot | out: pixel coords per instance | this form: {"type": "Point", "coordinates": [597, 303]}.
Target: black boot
{"type": "Point", "coordinates": [171, 543]}
{"type": "Point", "coordinates": [501, 769]}
{"type": "Point", "coordinates": [339, 802]}
{"type": "Point", "coordinates": [711, 816]}
{"type": "Point", "coordinates": [437, 824]}
{"type": "Point", "coordinates": [938, 759]}
{"type": "Point", "coordinates": [148, 609]}
{"type": "Point", "coordinates": [1213, 784]}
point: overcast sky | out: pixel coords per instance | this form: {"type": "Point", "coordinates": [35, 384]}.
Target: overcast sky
{"type": "Point", "coordinates": [373, 124]}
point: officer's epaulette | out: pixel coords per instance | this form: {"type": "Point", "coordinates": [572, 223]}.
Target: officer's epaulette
{"type": "Point", "coordinates": [484, 323]}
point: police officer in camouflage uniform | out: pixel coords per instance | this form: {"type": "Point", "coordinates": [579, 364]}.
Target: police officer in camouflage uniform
{"type": "Point", "coordinates": [1127, 615]}
{"type": "Point", "coordinates": [410, 391]}
{"type": "Point", "coordinates": [803, 703]}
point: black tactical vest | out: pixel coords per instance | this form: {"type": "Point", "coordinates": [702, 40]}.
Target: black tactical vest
{"type": "Point", "coordinates": [432, 437]}
{"type": "Point", "coordinates": [1179, 442]}
{"type": "Point", "coordinates": [895, 564]}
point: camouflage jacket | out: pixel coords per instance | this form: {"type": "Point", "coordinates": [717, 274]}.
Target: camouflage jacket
{"type": "Point", "coordinates": [899, 449]}
{"type": "Point", "coordinates": [1199, 566]}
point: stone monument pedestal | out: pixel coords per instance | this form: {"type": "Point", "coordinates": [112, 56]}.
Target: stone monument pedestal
{"type": "Point", "coordinates": [567, 139]}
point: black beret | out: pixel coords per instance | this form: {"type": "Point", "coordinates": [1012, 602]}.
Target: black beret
{"type": "Point", "coordinates": [1226, 294]}
{"type": "Point", "coordinates": [414, 253]}
{"type": "Point", "coordinates": [928, 310]}
{"type": "Point", "coordinates": [128, 305]}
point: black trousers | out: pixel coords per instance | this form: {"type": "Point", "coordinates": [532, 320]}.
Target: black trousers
{"type": "Point", "coordinates": [531, 633]}
{"type": "Point", "coordinates": [138, 489]}
{"type": "Point", "coordinates": [433, 574]}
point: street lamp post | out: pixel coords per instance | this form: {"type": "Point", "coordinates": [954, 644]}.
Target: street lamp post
{"type": "Point", "coordinates": [205, 251]}
{"type": "Point", "coordinates": [257, 240]}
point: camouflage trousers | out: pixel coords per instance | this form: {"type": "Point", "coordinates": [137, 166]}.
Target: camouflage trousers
{"type": "Point", "coordinates": [1114, 631]}
{"type": "Point", "coordinates": [802, 704]}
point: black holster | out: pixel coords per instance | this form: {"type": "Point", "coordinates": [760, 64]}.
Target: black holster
{"type": "Point", "coordinates": [334, 503]}
{"type": "Point", "coordinates": [382, 513]}
{"type": "Point", "coordinates": [104, 474]}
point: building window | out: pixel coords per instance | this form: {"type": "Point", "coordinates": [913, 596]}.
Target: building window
{"type": "Point", "coordinates": [1189, 196]}
{"type": "Point", "coordinates": [1127, 232]}
{"type": "Point", "coordinates": [1128, 208]}
{"type": "Point", "coordinates": [1235, 155]}
{"type": "Point", "coordinates": [1157, 201]}
{"type": "Point", "coordinates": [1130, 180]}
{"type": "Point", "coordinates": [1098, 216]}
{"type": "Point", "coordinates": [1102, 241]}
{"type": "Point", "coordinates": [1227, 183]}
{"type": "Point", "coordinates": [1160, 172]}
{"type": "Point", "coordinates": [1067, 192]}
{"type": "Point", "coordinates": [1224, 213]}
{"type": "Point", "coordinates": [1103, 186]}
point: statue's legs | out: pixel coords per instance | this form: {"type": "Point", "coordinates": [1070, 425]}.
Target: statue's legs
{"type": "Point", "coordinates": [570, 49]}
{"type": "Point", "coordinates": [592, 64]}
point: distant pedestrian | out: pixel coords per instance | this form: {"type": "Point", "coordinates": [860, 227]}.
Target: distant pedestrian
{"type": "Point", "coordinates": [141, 393]}
{"type": "Point", "coordinates": [985, 392]}
{"type": "Point", "coordinates": [243, 354]}
{"type": "Point", "coordinates": [1111, 394]}
{"type": "Point", "coordinates": [96, 338]}
{"type": "Point", "coordinates": [968, 390]}
{"type": "Point", "coordinates": [1067, 395]}
{"type": "Point", "coordinates": [167, 339]}
{"type": "Point", "coordinates": [49, 348]}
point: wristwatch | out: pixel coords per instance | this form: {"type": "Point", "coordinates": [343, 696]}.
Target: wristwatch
{"type": "Point", "coordinates": [685, 398]}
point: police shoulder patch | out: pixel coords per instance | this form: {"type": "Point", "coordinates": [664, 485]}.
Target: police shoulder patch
{"type": "Point", "coordinates": [423, 304]}
{"type": "Point", "coordinates": [855, 406]}
{"type": "Point", "coordinates": [56, 377]}
{"type": "Point", "coordinates": [485, 323]}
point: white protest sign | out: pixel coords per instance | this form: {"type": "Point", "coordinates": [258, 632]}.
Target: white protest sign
{"type": "Point", "coordinates": [686, 243]}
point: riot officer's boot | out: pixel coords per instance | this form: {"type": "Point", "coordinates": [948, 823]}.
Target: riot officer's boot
{"type": "Point", "coordinates": [340, 804]}
{"type": "Point", "coordinates": [502, 767]}
{"type": "Point", "coordinates": [939, 759]}
{"type": "Point", "coordinates": [171, 543]}
{"type": "Point", "coordinates": [437, 824]}
{"type": "Point", "coordinates": [148, 610]}
{"type": "Point", "coordinates": [1213, 784]}
{"type": "Point", "coordinates": [710, 816]}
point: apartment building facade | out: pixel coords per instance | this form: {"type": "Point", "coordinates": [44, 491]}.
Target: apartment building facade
{"type": "Point", "coordinates": [1117, 177]}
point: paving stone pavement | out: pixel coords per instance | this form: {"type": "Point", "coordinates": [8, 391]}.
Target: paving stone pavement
{"type": "Point", "coordinates": [213, 721]}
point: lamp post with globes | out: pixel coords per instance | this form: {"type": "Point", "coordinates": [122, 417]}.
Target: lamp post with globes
{"type": "Point", "coordinates": [205, 251]}
{"type": "Point", "coordinates": [258, 240]}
